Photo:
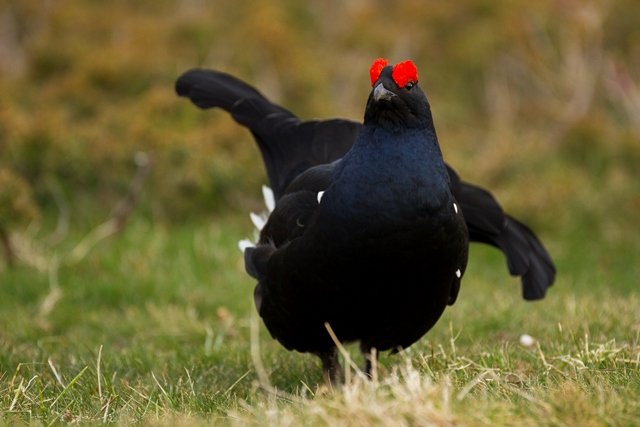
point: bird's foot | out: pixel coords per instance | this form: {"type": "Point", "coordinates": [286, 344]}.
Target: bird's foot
{"type": "Point", "coordinates": [331, 368]}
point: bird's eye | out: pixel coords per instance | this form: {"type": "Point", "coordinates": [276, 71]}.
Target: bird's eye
{"type": "Point", "coordinates": [409, 85]}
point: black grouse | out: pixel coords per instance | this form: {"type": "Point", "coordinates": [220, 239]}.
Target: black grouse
{"type": "Point", "coordinates": [369, 235]}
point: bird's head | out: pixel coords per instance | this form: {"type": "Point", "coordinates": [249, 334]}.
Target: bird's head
{"type": "Point", "coordinates": [396, 98]}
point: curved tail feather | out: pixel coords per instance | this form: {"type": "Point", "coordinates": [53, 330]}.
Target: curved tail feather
{"type": "Point", "coordinates": [288, 146]}
{"type": "Point", "coordinates": [488, 223]}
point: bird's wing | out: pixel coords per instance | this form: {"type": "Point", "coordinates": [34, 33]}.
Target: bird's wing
{"type": "Point", "coordinates": [488, 223]}
{"type": "Point", "coordinates": [288, 145]}
{"type": "Point", "coordinates": [295, 210]}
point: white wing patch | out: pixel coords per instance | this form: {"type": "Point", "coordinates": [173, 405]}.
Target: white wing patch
{"type": "Point", "coordinates": [244, 244]}
{"type": "Point", "coordinates": [269, 199]}
{"type": "Point", "coordinates": [320, 194]}
{"type": "Point", "coordinates": [458, 273]}
{"type": "Point", "coordinates": [259, 220]}
{"type": "Point", "coordinates": [455, 207]}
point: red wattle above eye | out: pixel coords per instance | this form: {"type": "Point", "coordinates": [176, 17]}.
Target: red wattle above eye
{"type": "Point", "coordinates": [405, 72]}
{"type": "Point", "coordinates": [376, 69]}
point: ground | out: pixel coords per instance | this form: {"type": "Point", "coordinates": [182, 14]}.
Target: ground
{"type": "Point", "coordinates": [157, 326]}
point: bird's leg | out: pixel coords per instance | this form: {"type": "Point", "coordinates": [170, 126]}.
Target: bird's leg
{"type": "Point", "coordinates": [370, 359]}
{"type": "Point", "coordinates": [331, 368]}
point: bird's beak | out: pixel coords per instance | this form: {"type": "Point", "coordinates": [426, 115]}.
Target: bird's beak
{"type": "Point", "coordinates": [380, 92]}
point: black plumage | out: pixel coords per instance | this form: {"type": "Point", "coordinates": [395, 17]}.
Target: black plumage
{"type": "Point", "coordinates": [370, 229]}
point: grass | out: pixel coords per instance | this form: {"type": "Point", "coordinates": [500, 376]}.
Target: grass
{"type": "Point", "coordinates": [157, 326]}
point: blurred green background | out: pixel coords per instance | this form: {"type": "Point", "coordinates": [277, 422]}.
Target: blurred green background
{"type": "Point", "coordinates": [540, 102]}
{"type": "Point", "coordinates": [121, 204]}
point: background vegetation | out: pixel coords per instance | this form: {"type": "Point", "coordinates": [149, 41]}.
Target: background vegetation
{"type": "Point", "coordinates": [120, 206]}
